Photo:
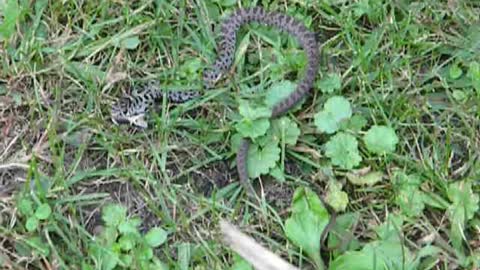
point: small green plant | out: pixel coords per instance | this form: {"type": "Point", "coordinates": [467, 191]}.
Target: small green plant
{"type": "Point", "coordinates": [121, 246]}
{"type": "Point", "coordinates": [12, 12]}
{"type": "Point", "coordinates": [34, 215]}
{"type": "Point", "coordinates": [306, 223]}
{"type": "Point", "coordinates": [380, 139]}
{"type": "Point", "coordinates": [343, 151]}
{"type": "Point", "coordinates": [267, 135]}
{"type": "Point", "coordinates": [464, 205]}
{"type": "Point", "coordinates": [386, 252]}
{"type": "Point", "coordinates": [330, 83]}
{"type": "Point", "coordinates": [336, 110]}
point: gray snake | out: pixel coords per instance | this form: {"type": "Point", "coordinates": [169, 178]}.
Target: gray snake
{"type": "Point", "coordinates": [132, 108]}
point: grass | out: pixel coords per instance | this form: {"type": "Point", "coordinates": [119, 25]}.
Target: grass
{"type": "Point", "coordinates": [410, 66]}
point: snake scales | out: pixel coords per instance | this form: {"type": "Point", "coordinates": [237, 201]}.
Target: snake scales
{"type": "Point", "coordinates": [131, 109]}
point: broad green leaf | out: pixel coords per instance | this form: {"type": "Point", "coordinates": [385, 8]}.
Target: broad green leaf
{"type": "Point", "coordinates": [357, 122]}
{"type": "Point", "coordinates": [342, 230]}
{"type": "Point", "coordinates": [330, 83]}
{"type": "Point", "coordinates": [465, 205]}
{"type": "Point", "coordinates": [459, 95]}
{"type": "Point", "coordinates": [43, 211]}
{"type": "Point", "coordinates": [387, 253]}
{"type": "Point", "coordinates": [114, 214]}
{"type": "Point", "coordinates": [240, 264]}
{"type": "Point", "coordinates": [144, 253]}
{"type": "Point", "coordinates": [31, 224]}
{"type": "Point", "coordinates": [129, 226]}
{"type": "Point", "coordinates": [304, 230]}
{"type": "Point", "coordinates": [325, 122]}
{"type": "Point", "coordinates": [361, 7]}
{"type": "Point", "coordinates": [342, 149]}
{"type": "Point", "coordinates": [369, 179]}
{"type": "Point", "coordinates": [158, 265]}
{"type": "Point", "coordinates": [305, 225]}
{"type": "Point", "coordinates": [127, 242]}
{"type": "Point", "coordinates": [388, 231]}
{"type": "Point", "coordinates": [379, 255]}
{"type": "Point", "coordinates": [277, 173]}
{"type": "Point", "coordinates": [336, 110]}
{"type": "Point", "coordinates": [261, 160]}
{"type": "Point", "coordinates": [191, 67]}
{"type": "Point", "coordinates": [106, 258]}
{"type": "Point", "coordinates": [304, 199]}
{"type": "Point", "coordinates": [461, 193]}
{"type": "Point", "coordinates": [184, 255]}
{"type": "Point", "coordinates": [249, 112]}
{"type": "Point", "coordinates": [235, 142]}
{"type": "Point", "coordinates": [284, 128]}
{"type": "Point", "coordinates": [252, 128]}
{"type": "Point", "coordinates": [39, 245]}
{"type": "Point", "coordinates": [474, 74]}
{"type": "Point", "coordinates": [455, 71]}
{"type": "Point", "coordinates": [380, 139]}
{"type": "Point", "coordinates": [127, 259]}
{"type": "Point", "coordinates": [130, 43]}
{"type": "Point", "coordinates": [227, 3]}
{"type": "Point", "coordinates": [435, 200]}
{"type": "Point", "coordinates": [156, 236]}
{"type": "Point", "coordinates": [335, 197]}
{"type": "Point", "coordinates": [11, 13]}
{"type": "Point", "coordinates": [278, 92]}
{"type": "Point", "coordinates": [109, 235]}
{"type": "Point", "coordinates": [410, 201]}
{"type": "Point", "coordinates": [339, 106]}
{"type": "Point", "coordinates": [25, 206]}
{"type": "Point", "coordinates": [409, 197]}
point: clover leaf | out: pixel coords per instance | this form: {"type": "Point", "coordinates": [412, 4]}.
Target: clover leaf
{"type": "Point", "coordinates": [284, 128]}
{"type": "Point", "coordinates": [325, 122]}
{"type": "Point", "coordinates": [156, 236]}
{"type": "Point", "coordinates": [255, 121]}
{"type": "Point", "coordinates": [455, 71]}
{"type": "Point", "coordinates": [336, 110]}
{"type": "Point", "coordinates": [250, 112]}
{"type": "Point", "coordinates": [252, 128]}
{"type": "Point", "coordinates": [262, 159]}
{"type": "Point", "coordinates": [342, 149]}
{"type": "Point", "coordinates": [357, 122]}
{"type": "Point", "coordinates": [31, 224]}
{"type": "Point", "coordinates": [330, 83]}
{"type": "Point", "coordinates": [278, 92]}
{"type": "Point", "coordinates": [380, 139]}
{"type": "Point", "coordinates": [114, 214]}
{"type": "Point", "coordinates": [43, 211]}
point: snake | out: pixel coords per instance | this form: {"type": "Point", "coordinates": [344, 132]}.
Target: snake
{"type": "Point", "coordinates": [131, 109]}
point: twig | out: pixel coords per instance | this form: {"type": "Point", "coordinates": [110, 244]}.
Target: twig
{"type": "Point", "coordinates": [260, 257]}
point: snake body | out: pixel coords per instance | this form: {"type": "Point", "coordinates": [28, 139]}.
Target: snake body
{"type": "Point", "coordinates": [131, 109]}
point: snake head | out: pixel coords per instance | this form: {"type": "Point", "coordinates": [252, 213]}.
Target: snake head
{"type": "Point", "coordinates": [211, 77]}
{"type": "Point", "coordinates": [120, 114]}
